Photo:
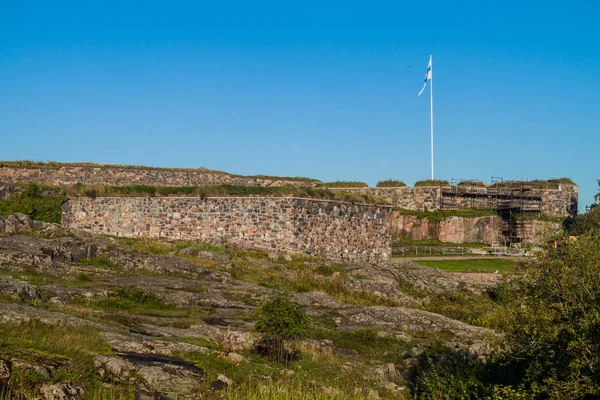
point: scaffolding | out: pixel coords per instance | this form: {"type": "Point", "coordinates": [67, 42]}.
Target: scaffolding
{"type": "Point", "coordinates": [512, 200]}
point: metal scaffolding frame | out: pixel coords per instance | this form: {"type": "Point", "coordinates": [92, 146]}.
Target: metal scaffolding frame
{"type": "Point", "coordinates": [511, 199]}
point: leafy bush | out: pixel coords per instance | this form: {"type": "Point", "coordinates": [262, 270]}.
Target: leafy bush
{"type": "Point", "coordinates": [499, 293]}
{"type": "Point", "coordinates": [32, 202]}
{"type": "Point", "coordinates": [279, 320]}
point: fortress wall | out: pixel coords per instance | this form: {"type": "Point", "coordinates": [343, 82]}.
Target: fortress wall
{"type": "Point", "coordinates": [561, 202]}
{"type": "Point", "coordinates": [331, 229]}
{"type": "Point", "coordinates": [119, 176]}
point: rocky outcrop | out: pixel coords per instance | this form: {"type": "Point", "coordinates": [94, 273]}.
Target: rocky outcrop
{"type": "Point", "coordinates": [450, 229]}
{"type": "Point", "coordinates": [470, 230]}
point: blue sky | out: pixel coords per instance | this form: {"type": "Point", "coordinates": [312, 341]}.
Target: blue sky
{"type": "Point", "coordinates": [320, 89]}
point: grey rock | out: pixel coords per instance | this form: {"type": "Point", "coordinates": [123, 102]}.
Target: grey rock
{"type": "Point", "coordinates": [18, 287]}
{"type": "Point", "coordinates": [162, 377]}
{"type": "Point", "coordinates": [319, 300]}
{"type": "Point", "coordinates": [236, 358]}
{"type": "Point", "coordinates": [18, 223]}
{"type": "Point", "coordinates": [143, 345]}
{"type": "Point", "coordinates": [409, 319]}
{"type": "Point", "coordinates": [4, 370]}
{"type": "Point", "coordinates": [19, 313]}
{"type": "Point", "coordinates": [62, 391]}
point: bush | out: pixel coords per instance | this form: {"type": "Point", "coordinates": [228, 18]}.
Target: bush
{"type": "Point", "coordinates": [499, 293]}
{"type": "Point", "coordinates": [280, 320]}
{"type": "Point", "coordinates": [32, 202]}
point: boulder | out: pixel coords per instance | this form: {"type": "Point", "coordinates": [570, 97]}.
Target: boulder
{"type": "Point", "coordinates": [62, 391]}
{"type": "Point", "coordinates": [18, 223]}
{"type": "Point", "coordinates": [4, 371]}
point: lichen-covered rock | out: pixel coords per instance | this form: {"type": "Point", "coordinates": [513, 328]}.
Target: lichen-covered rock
{"type": "Point", "coordinates": [139, 344]}
{"type": "Point", "coordinates": [62, 391]}
{"type": "Point", "coordinates": [18, 287]}
{"type": "Point", "coordinates": [4, 371]}
{"type": "Point", "coordinates": [167, 377]}
{"type": "Point", "coordinates": [15, 223]}
{"type": "Point", "coordinates": [409, 319]}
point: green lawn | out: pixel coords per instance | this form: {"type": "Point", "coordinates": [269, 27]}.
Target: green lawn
{"type": "Point", "coordinates": [477, 265]}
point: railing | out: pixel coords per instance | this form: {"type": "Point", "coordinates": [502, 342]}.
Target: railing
{"type": "Point", "coordinates": [457, 251]}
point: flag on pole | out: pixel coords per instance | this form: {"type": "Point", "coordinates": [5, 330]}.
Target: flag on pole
{"type": "Point", "coordinates": [427, 76]}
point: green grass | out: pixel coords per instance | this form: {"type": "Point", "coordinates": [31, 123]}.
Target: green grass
{"type": "Point", "coordinates": [342, 184]}
{"type": "Point", "coordinates": [155, 246]}
{"type": "Point", "coordinates": [99, 262]}
{"type": "Point", "coordinates": [471, 183]}
{"type": "Point", "coordinates": [390, 183]}
{"type": "Point", "coordinates": [539, 217]}
{"type": "Point", "coordinates": [36, 340]}
{"type": "Point", "coordinates": [476, 265]}
{"type": "Point", "coordinates": [220, 190]}
{"type": "Point", "coordinates": [536, 183]}
{"type": "Point", "coordinates": [431, 182]}
{"type": "Point", "coordinates": [404, 242]}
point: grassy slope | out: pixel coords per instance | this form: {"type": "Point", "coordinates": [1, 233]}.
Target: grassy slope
{"type": "Point", "coordinates": [476, 265]}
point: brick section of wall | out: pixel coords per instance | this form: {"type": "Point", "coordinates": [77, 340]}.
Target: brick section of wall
{"type": "Point", "coordinates": [331, 229]}
{"type": "Point", "coordinates": [116, 176]}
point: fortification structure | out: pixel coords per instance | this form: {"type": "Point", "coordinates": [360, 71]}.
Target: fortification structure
{"type": "Point", "coordinates": [510, 200]}
{"type": "Point", "coordinates": [115, 175]}
{"type": "Point", "coordinates": [553, 199]}
{"type": "Point", "coordinates": [331, 229]}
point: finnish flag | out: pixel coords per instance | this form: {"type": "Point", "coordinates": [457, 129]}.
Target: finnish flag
{"type": "Point", "coordinates": [427, 76]}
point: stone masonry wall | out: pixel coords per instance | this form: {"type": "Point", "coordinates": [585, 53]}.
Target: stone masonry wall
{"type": "Point", "coordinates": [560, 202]}
{"type": "Point", "coordinates": [331, 229]}
{"type": "Point", "coordinates": [119, 176]}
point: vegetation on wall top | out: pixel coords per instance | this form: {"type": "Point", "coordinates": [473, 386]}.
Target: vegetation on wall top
{"type": "Point", "coordinates": [536, 183]}
{"type": "Point", "coordinates": [471, 183]}
{"type": "Point", "coordinates": [57, 165]}
{"type": "Point", "coordinates": [432, 182]}
{"type": "Point", "coordinates": [390, 183]}
{"type": "Point", "coordinates": [220, 190]}
{"type": "Point", "coordinates": [342, 184]}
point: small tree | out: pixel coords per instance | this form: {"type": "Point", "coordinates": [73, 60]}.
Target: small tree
{"type": "Point", "coordinates": [280, 320]}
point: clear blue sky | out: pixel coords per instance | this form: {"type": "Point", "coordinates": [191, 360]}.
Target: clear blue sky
{"type": "Point", "coordinates": [321, 89]}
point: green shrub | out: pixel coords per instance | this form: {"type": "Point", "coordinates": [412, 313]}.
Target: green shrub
{"type": "Point", "coordinates": [32, 202]}
{"type": "Point", "coordinates": [279, 320]}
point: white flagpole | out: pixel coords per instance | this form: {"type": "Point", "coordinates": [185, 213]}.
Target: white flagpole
{"type": "Point", "coordinates": [431, 111]}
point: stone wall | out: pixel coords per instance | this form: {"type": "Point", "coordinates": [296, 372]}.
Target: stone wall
{"type": "Point", "coordinates": [332, 229]}
{"type": "Point", "coordinates": [561, 202]}
{"type": "Point", "coordinates": [121, 176]}
{"type": "Point", "coordinates": [450, 229]}
{"type": "Point", "coordinates": [538, 232]}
